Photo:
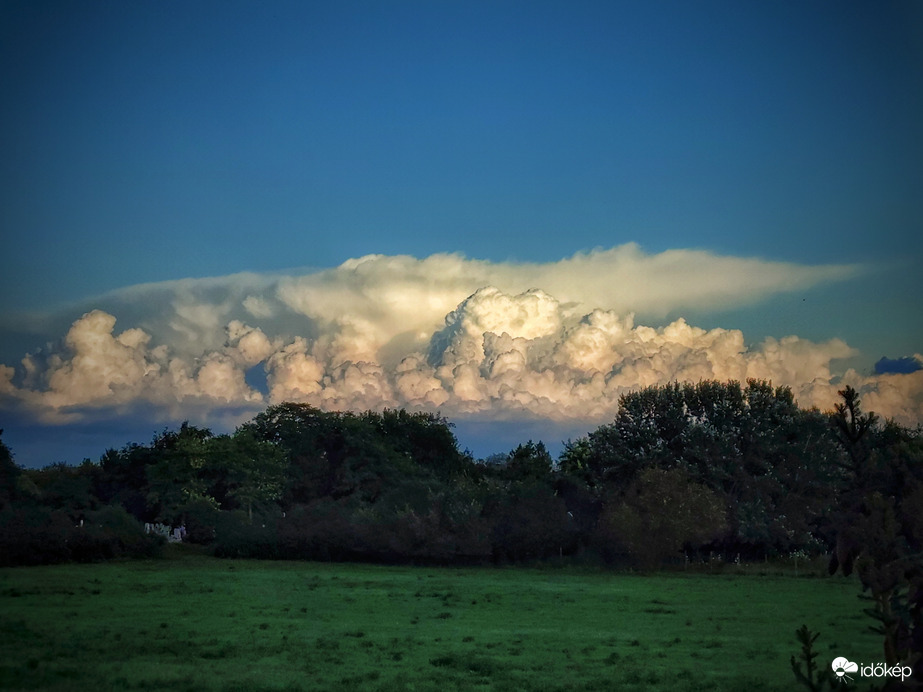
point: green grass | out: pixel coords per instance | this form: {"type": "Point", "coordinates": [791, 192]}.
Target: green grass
{"type": "Point", "coordinates": [198, 623]}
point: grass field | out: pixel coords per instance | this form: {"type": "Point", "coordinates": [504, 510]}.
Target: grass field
{"type": "Point", "coordinates": [193, 622]}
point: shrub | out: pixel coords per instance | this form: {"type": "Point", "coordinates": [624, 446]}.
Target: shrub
{"type": "Point", "coordinates": [34, 535]}
{"type": "Point", "coordinates": [201, 519]}
{"type": "Point", "coordinates": [237, 536]}
{"type": "Point", "coordinates": [662, 511]}
{"type": "Point", "coordinates": [111, 532]}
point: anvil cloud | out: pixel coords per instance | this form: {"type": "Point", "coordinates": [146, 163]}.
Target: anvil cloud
{"type": "Point", "coordinates": [469, 338]}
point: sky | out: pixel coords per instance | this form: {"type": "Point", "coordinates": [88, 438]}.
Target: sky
{"type": "Point", "coordinates": [507, 212]}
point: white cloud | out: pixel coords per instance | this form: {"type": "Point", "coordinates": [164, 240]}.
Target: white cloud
{"type": "Point", "coordinates": [98, 368]}
{"type": "Point", "coordinates": [293, 373]}
{"type": "Point", "coordinates": [250, 343]}
{"type": "Point", "coordinates": [557, 341]}
{"type": "Point", "coordinates": [400, 296]}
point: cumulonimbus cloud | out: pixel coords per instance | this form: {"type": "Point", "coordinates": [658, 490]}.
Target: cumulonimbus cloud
{"type": "Point", "coordinates": [556, 341]}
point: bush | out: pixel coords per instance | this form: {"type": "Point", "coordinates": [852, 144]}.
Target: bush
{"type": "Point", "coordinates": [35, 535]}
{"type": "Point", "coordinates": [237, 536]}
{"type": "Point", "coordinates": [662, 511]}
{"type": "Point", "coordinates": [111, 532]}
{"type": "Point", "coordinates": [530, 523]}
{"type": "Point", "coordinates": [201, 520]}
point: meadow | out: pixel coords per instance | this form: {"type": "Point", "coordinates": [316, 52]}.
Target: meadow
{"type": "Point", "coordinates": [193, 622]}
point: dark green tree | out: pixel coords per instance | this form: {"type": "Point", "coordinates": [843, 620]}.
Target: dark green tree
{"type": "Point", "coordinates": [178, 475]}
{"type": "Point", "coordinates": [9, 475]}
{"type": "Point", "coordinates": [879, 530]}
{"type": "Point", "coordinates": [527, 521]}
{"type": "Point", "coordinates": [770, 462]}
{"type": "Point", "coordinates": [252, 470]}
{"type": "Point", "coordinates": [662, 511]}
{"type": "Point", "coordinates": [426, 438]}
{"type": "Point", "coordinates": [804, 665]}
{"type": "Point", "coordinates": [67, 488]}
{"type": "Point", "coordinates": [529, 462]}
{"type": "Point", "coordinates": [337, 455]}
{"type": "Point", "coordinates": [121, 479]}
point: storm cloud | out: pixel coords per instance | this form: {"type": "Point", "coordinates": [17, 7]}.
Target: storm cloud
{"type": "Point", "coordinates": [470, 338]}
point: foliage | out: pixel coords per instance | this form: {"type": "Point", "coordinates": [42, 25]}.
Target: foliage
{"type": "Point", "coordinates": [9, 475]}
{"type": "Point", "coordinates": [177, 476]}
{"type": "Point", "coordinates": [200, 517]}
{"type": "Point", "coordinates": [528, 522]}
{"type": "Point", "coordinates": [333, 454]}
{"type": "Point", "coordinates": [245, 471]}
{"type": "Point", "coordinates": [662, 511]}
{"type": "Point", "coordinates": [108, 533]}
{"type": "Point", "coordinates": [805, 665]}
{"type": "Point", "coordinates": [853, 428]}
{"type": "Point", "coordinates": [879, 530]}
{"type": "Point", "coordinates": [773, 465]}
{"type": "Point", "coordinates": [529, 462]}
{"type": "Point", "coordinates": [123, 480]}
{"type": "Point", "coordinates": [66, 488]}
{"type": "Point", "coordinates": [36, 535]}
{"type": "Point", "coordinates": [710, 467]}
{"type": "Point", "coordinates": [33, 535]}
{"type": "Point", "coordinates": [425, 438]}
{"type": "Point", "coordinates": [879, 533]}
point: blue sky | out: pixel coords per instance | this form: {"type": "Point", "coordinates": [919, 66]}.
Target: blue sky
{"type": "Point", "coordinates": [151, 142]}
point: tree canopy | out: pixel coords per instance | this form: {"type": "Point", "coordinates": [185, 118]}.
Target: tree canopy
{"type": "Point", "coordinates": [683, 470]}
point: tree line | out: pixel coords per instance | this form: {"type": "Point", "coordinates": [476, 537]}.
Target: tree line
{"type": "Point", "coordinates": [683, 471]}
